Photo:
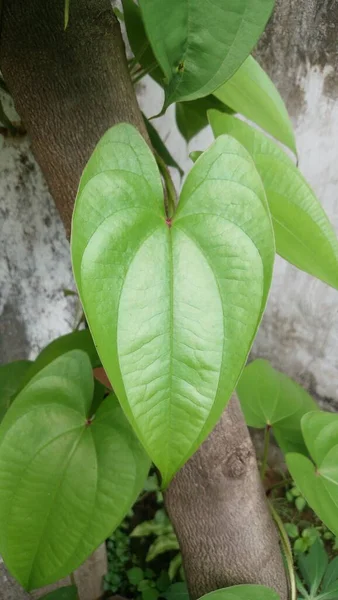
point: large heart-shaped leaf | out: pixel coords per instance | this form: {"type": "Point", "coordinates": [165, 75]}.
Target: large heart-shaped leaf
{"type": "Point", "coordinates": [173, 304]}
{"type": "Point", "coordinates": [270, 398]}
{"type": "Point", "coordinates": [11, 377]}
{"type": "Point", "coordinates": [251, 92]}
{"type": "Point", "coordinates": [242, 592]}
{"type": "Point", "coordinates": [304, 235]}
{"type": "Point", "coordinates": [200, 45]}
{"type": "Point", "coordinates": [318, 480]}
{"type": "Point", "coordinates": [67, 479]}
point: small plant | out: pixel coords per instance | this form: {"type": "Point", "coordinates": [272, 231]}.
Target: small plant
{"type": "Point", "coordinates": [319, 576]}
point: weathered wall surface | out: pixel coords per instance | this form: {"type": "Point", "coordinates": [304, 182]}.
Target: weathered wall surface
{"type": "Point", "coordinates": [300, 329]}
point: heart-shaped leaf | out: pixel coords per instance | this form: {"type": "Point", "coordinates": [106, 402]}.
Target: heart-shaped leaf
{"type": "Point", "coordinates": [65, 593]}
{"type": "Point", "coordinates": [173, 304]}
{"type": "Point", "coordinates": [270, 398]}
{"type": "Point", "coordinates": [318, 482]}
{"type": "Point", "coordinates": [251, 92]}
{"type": "Point", "coordinates": [304, 235]}
{"type": "Point", "coordinates": [242, 592]}
{"type": "Point", "coordinates": [68, 479]}
{"type": "Point", "coordinates": [200, 45]}
{"type": "Point", "coordinates": [11, 377]}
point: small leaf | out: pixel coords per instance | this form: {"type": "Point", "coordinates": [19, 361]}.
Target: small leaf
{"type": "Point", "coordinates": [304, 234]}
{"type": "Point", "coordinates": [318, 482]}
{"type": "Point", "coordinates": [11, 377]}
{"type": "Point", "coordinates": [160, 147]}
{"type": "Point", "coordinates": [269, 397]}
{"type": "Point", "coordinates": [150, 528]}
{"type": "Point", "coordinates": [174, 566]}
{"type": "Point", "coordinates": [77, 340]}
{"type": "Point", "coordinates": [177, 591]}
{"type": "Point", "coordinates": [163, 581]}
{"type": "Point", "coordinates": [66, 17]}
{"type": "Point", "coordinates": [135, 575]}
{"type": "Point", "coordinates": [68, 480]}
{"type": "Point", "coordinates": [65, 593]}
{"type": "Point", "coordinates": [162, 544]}
{"type": "Point", "coordinates": [292, 530]}
{"type": "Point", "coordinates": [191, 117]}
{"type": "Point", "coordinates": [313, 566]}
{"type": "Point", "coordinates": [200, 45]}
{"type": "Point", "coordinates": [242, 592]}
{"type": "Point", "coordinates": [251, 93]}
{"type": "Point", "coordinates": [173, 306]}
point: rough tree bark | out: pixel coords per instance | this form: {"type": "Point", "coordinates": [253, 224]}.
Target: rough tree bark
{"type": "Point", "coordinates": [69, 87]}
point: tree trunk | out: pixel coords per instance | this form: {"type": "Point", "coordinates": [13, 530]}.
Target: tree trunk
{"type": "Point", "coordinates": [69, 87]}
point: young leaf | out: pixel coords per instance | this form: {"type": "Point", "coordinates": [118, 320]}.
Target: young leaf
{"type": "Point", "coordinates": [251, 93]}
{"type": "Point", "coordinates": [318, 482]}
{"type": "Point", "coordinates": [191, 117]}
{"type": "Point", "coordinates": [77, 340]}
{"type": "Point", "coordinates": [163, 543]}
{"type": "Point", "coordinates": [331, 576]}
{"type": "Point", "coordinates": [11, 377]}
{"type": "Point", "coordinates": [304, 235]}
{"type": "Point", "coordinates": [313, 566]}
{"type": "Point", "coordinates": [65, 593]}
{"type": "Point", "coordinates": [160, 147]}
{"type": "Point", "coordinates": [269, 397]}
{"type": "Point", "coordinates": [242, 592]}
{"type": "Point", "coordinates": [173, 304]}
{"type": "Point", "coordinates": [68, 479]}
{"type": "Point", "coordinates": [200, 45]}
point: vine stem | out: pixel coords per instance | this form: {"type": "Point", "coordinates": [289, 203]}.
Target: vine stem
{"type": "Point", "coordinates": [266, 450]}
{"type": "Point", "coordinates": [287, 550]}
{"type": "Point", "coordinates": [170, 188]}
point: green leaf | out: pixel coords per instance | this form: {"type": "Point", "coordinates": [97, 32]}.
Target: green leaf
{"type": "Point", "coordinates": [151, 528]}
{"type": "Point", "coordinates": [77, 340]}
{"type": "Point", "coordinates": [251, 93]}
{"type": "Point", "coordinates": [243, 592]}
{"type": "Point", "coordinates": [313, 566]}
{"type": "Point", "coordinates": [160, 147]}
{"type": "Point", "coordinates": [163, 581]}
{"type": "Point", "coordinates": [173, 305]}
{"type": "Point", "coordinates": [191, 117]}
{"type": "Point", "coordinates": [200, 45]}
{"type": "Point", "coordinates": [65, 593]}
{"type": "Point", "coordinates": [292, 530]}
{"type": "Point", "coordinates": [138, 40]}
{"type": "Point", "coordinates": [135, 575]}
{"type": "Point", "coordinates": [11, 377]}
{"type": "Point", "coordinates": [68, 480]}
{"type": "Point", "coordinates": [177, 591]}
{"type": "Point", "coordinates": [318, 482]}
{"type": "Point", "coordinates": [331, 576]}
{"type": "Point", "coordinates": [162, 544]}
{"type": "Point", "coordinates": [174, 566]}
{"type": "Point", "coordinates": [304, 234]}
{"type": "Point", "coordinates": [269, 397]}
{"type": "Point", "coordinates": [66, 15]}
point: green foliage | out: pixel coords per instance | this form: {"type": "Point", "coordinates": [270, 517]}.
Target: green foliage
{"type": "Point", "coordinates": [319, 576]}
{"type": "Point", "coordinates": [11, 377]}
{"type": "Point", "coordinates": [118, 554]}
{"type": "Point", "coordinates": [77, 340]}
{"type": "Point", "coordinates": [70, 476]}
{"type": "Point", "coordinates": [65, 593]}
{"type": "Point", "coordinates": [191, 117]}
{"type": "Point", "coordinates": [304, 235]}
{"type": "Point", "coordinates": [143, 278]}
{"type": "Point", "coordinates": [318, 480]}
{"type": "Point", "coordinates": [196, 59]}
{"type": "Point", "coordinates": [177, 591]}
{"type": "Point", "coordinates": [243, 592]}
{"type": "Point", "coordinates": [270, 398]}
{"type": "Point", "coordinates": [251, 93]}
{"type": "Point", "coordinates": [160, 148]}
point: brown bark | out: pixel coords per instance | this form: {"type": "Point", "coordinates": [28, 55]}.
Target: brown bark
{"type": "Point", "coordinates": [69, 87]}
